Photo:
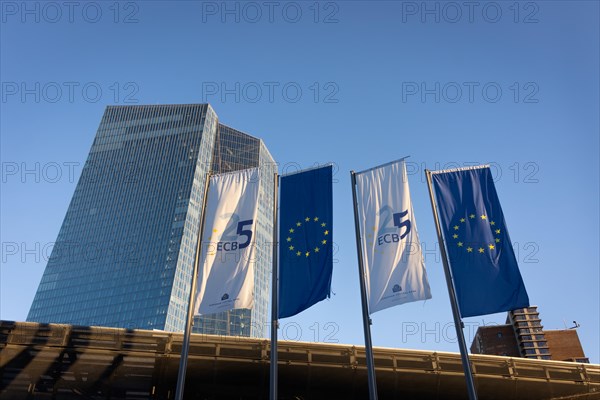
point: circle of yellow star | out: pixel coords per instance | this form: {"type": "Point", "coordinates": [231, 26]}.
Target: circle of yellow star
{"type": "Point", "coordinates": [306, 252]}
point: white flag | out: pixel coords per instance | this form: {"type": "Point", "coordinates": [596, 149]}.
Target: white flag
{"type": "Point", "coordinates": [394, 267]}
{"type": "Point", "coordinates": [226, 272]}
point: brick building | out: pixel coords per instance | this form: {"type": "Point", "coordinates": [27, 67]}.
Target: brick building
{"type": "Point", "coordinates": [523, 335]}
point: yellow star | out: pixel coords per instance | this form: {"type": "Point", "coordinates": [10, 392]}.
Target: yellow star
{"type": "Point", "coordinates": [455, 227]}
{"type": "Point", "coordinates": [374, 228]}
{"type": "Point", "coordinates": [323, 224]}
{"type": "Point", "coordinates": [498, 231]}
{"type": "Point", "coordinates": [491, 246]}
{"type": "Point", "coordinates": [484, 216]}
{"type": "Point", "coordinates": [326, 233]}
{"type": "Point", "coordinates": [323, 241]}
{"type": "Point", "coordinates": [298, 253]}
{"type": "Point", "coordinates": [316, 249]}
{"type": "Point", "coordinates": [492, 223]}
{"type": "Point", "coordinates": [462, 220]}
{"type": "Point", "coordinates": [289, 239]}
{"type": "Point", "coordinates": [497, 240]}
{"type": "Point", "coordinates": [298, 223]}
{"type": "Point", "coordinates": [455, 236]}
{"type": "Point", "coordinates": [470, 249]}
{"type": "Point", "coordinates": [291, 247]}
{"type": "Point", "coordinates": [460, 244]}
{"type": "Point", "coordinates": [307, 219]}
{"type": "Point", "coordinates": [315, 219]}
{"type": "Point", "coordinates": [291, 230]}
{"type": "Point", "coordinates": [307, 253]}
{"type": "Point", "coordinates": [472, 216]}
{"type": "Point", "coordinates": [481, 249]}
{"type": "Point", "coordinates": [215, 230]}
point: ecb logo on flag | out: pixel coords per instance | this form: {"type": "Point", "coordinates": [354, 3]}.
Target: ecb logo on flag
{"type": "Point", "coordinates": [225, 297]}
{"type": "Point", "coordinates": [388, 233]}
{"type": "Point", "coordinates": [397, 288]}
{"type": "Point", "coordinates": [230, 239]}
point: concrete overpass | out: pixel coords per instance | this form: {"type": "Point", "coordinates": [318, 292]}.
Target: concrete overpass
{"type": "Point", "coordinates": [39, 361]}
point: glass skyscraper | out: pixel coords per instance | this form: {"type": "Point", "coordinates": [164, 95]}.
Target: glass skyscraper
{"type": "Point", "coordinates": [124, 255]}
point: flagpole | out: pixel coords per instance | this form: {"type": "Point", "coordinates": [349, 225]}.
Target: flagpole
{"type": "Point", "coordinates": [363, 296]}
{"type": "Point", "coordinates": [274, 298]}
{"type": "Point", "coordinates": [453, 302]}
{"type": "Point", "coordinates": [190, 314]}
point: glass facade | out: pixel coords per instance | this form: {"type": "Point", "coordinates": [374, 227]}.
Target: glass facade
{"type": "Point", "coordinates": [125, 252]}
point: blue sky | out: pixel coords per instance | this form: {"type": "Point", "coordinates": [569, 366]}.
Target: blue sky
{"type": "Point", "coordinates": [353, 83]}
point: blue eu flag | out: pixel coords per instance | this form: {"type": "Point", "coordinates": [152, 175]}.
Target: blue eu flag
{"type": "Point", "coordinates": [481, 257]}
{"type": "Point", "coordinates": [305, 240]}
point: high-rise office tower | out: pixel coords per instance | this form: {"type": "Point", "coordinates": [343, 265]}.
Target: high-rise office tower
{"type": "Point", "coordinates": [125, 253]}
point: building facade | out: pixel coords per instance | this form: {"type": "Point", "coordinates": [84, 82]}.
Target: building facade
{"type": "Point", "coordinates": [124, 255]}
{"type": "Point", "coordinates": [66, 362]}
{"type": "Point", "coordinates": [524, 336]}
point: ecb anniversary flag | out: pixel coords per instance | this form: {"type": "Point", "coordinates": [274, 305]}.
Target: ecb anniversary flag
{"type": "Point", "coordinates": [483, 263]}
{"type": "Point", "coordinates": [394, 266]}
{"type": "Point", "coordinates": [226, 275]}
{"type": "Point", "coordinates": [305, 239]}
